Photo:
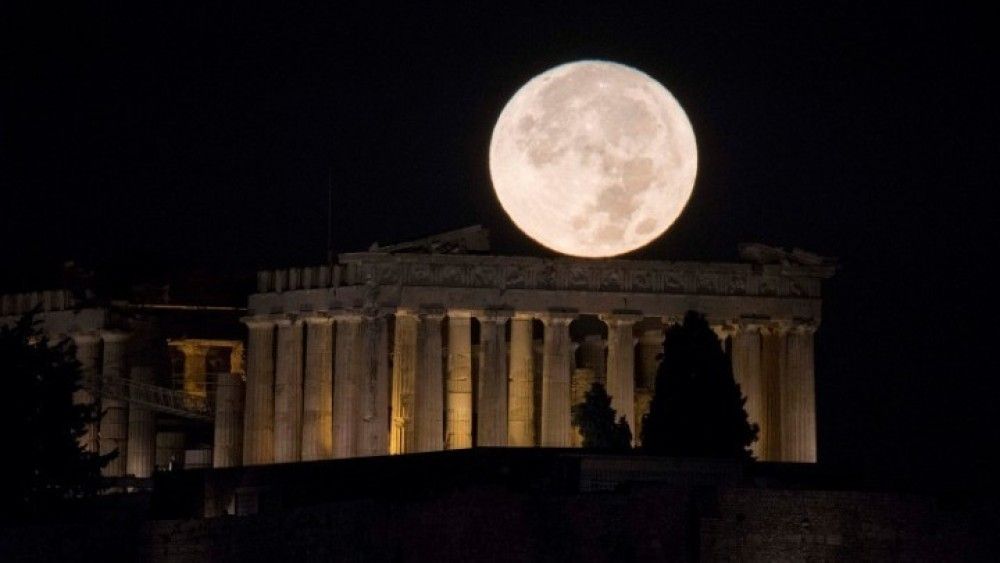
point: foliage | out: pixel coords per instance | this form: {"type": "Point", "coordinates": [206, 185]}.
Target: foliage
{"type": "Point", "coordinates": [596, 420]}
{"type": "Point", "coordinates": [44, 462]}
{"type": "Point", "coordinates": [698, 408]}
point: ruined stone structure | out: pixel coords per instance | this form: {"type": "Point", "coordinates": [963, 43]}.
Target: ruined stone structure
{"type": "Point", "coordinates": [421, 347]}
{"type": "Point", "coordinates": [445, 351]}
{"type": "Point", "coordinates": [147, 417]}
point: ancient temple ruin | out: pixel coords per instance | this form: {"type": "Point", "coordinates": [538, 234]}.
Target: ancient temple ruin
{"type": "Point", "coordinates": [435, 345]}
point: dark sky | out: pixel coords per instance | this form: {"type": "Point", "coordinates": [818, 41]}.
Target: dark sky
{"type": "Point", "coordinates": [143, 142]}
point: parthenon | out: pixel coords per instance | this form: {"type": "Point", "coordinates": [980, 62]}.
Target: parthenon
{"type": "Point", "coordinates": [436, 345]}
{"type": "Point", "coordinates": [398, 353]}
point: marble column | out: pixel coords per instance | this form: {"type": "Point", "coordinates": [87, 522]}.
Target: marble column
{"type": "Point", "coordinates": [141, 460]}
{"type": "Point", "coordinates": [349, 355]}
{"type": "Point", "coordinates": [521, 392]}
{"type": "Point", "coordinates": [491, 421]}
{"type": "Point", "coordinates": [798, 397]}
{"type": "Point", "coordinates": [317, 399]}
{"type": "Point", "coordinates": [747, 372]}
{"type": "Point", "coordinates": [458, 400]}
{"type": "Point", "coordinates": [195, 368]}
{"type": "Point", "coordinates": [227, 450]}
{"type": "Point", "coordinates": [428, 395]}
{"type": "Point", "coordinates": [258, 408]}
{"type": "Point", "coordinates": [773, 359]}
{"type": "Point", "coordinates": [114, 424]}
{"type": "Point", "coordinates": [556, 363]}
{"type": "Point", "coordinates": [404, 372]}
{"type": "Point", "coordinates": [621, 365]}
{"type": "Point", "coordinates": [373, 438]}
{"type": "Point", "coordinates": [88, 353]}
{"type": "Point", "coordinates": [288, 391]}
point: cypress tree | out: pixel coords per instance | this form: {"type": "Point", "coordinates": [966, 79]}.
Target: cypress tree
{"type": "Point", "coordinates": [46, 464]}
{"type": "Point", "coordinates": [697, 408]}
{"type": "Point", "coordinates": [596, 420]}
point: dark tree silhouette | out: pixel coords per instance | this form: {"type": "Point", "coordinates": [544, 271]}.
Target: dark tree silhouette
{"type": "Point", "coordinates": [697, 409]}
{"type": "Point", "coordinates": [45, 463]}
{"type": "Point", "coordinates": [596, 420]}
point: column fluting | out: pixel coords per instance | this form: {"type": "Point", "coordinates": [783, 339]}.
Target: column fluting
{"type": "Point", "coordinates": [348, 357]}
{"type": "Point", "coordinates": [773, 364]}
{"type": "Point", "coordinates": [556, 364]}
{"type": "Point", "coordinates": [746, 360]}
{"type": "Point", "coordinates": [374, 387]}
{"type": "Point", "coordinates": [404, 371]}
{"type": "Point", "coordinates": [458, 421]}
{"type": "Point", "coordinates": [521, 396]}
{"type": "Point", "coordinates": [491, 411]}
{"type": "Point", "coordinates": [258, 408]}
{"type": "Point", "coordinates": [114, 424]}
{"type": "Point", "coordinates": [621, 365]}
{"type": "Point", "coordinates": [428, 397]}
{"type": "Point", "coordinates": [798, 398]}
{"type": "Point", "coordinates": [288, 391]}
{"type": "Point", "coordinates": [141, 447]}
{"type": "Point", "coordinates": [317, 400]}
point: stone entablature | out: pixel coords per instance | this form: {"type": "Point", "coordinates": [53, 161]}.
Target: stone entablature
{"type": "Point", "coordinates": [763, 311]}
{"type": "Point", "coordinates": [515, 272]}
{"type": "Point", "coordinates": [726, 292]}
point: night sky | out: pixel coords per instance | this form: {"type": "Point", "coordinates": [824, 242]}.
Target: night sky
{"type": "Point", "coordinates": [153, 143]}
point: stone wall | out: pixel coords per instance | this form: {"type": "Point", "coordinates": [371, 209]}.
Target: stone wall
{"type": "Point", "coordinates": [647, 522]}
{"type": "Point", "coordinates": [802, 525]}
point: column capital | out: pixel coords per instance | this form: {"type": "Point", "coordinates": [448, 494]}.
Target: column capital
{"type": "Point", "coordinates": [747, 324]}
{"type": "Point", "coordinates": [346, 315]}
{"type": "Point", "coordinates": [723, 330]}
{"type": "Point", "coordinates": [558, 316]}
{"type": "Point", "coordinates": [621, 317]}
{"type": "Point", "coordinates": [431, 312]}
{"type": "Point", "coordinates": [190, 348]}
{"type": "Point", "coordinates": [288, 319]}
{"type": "Point", "coordinates": [460, 314]}
{"type": "Point", "coordinates": [260, 321]}
{"type": "Point", "coordinates": [407, 312]}
{"type": "Point", "coordinates": [317, 318]}
{"type": "Point", "coordinates": [498, 315]}
{"type": "Point", "coordinates": [777, 327]}
{"type": "Point", "coordinates": [807, 327]}
{"type": "Point", "coordinates": [524, 315]}
{"type": "Point", "coordinates": [111, 335]}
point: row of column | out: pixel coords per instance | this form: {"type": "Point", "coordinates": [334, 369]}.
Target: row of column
{"type": "Point", "coordinates": [130, 426]}
{"type": "Point", "coordinates": [774, 365]}
{"type": "Point", "coordinates": [329, 403]}
{"type": "Point", "coordinates": [335, 401]}
{"type": "Point", "coordinates": [332, 403]}
{"type": "Point", "coordinates": [132, 432]}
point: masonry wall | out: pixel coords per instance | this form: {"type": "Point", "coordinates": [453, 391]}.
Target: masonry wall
{"type": "Point", "coordinates": [782, 525]}
{"type": "Point", "coordinates": [652, 522]}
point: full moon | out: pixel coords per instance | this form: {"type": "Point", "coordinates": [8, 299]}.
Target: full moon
{"type": "Point", "coordinates": [593, 159]}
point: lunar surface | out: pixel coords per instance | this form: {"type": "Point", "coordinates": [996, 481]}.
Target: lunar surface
{"type": "Point", "coordinates": [593, 159]}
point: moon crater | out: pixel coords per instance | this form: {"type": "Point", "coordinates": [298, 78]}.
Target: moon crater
{"type": "Point", "coordinates": [593, 159]}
